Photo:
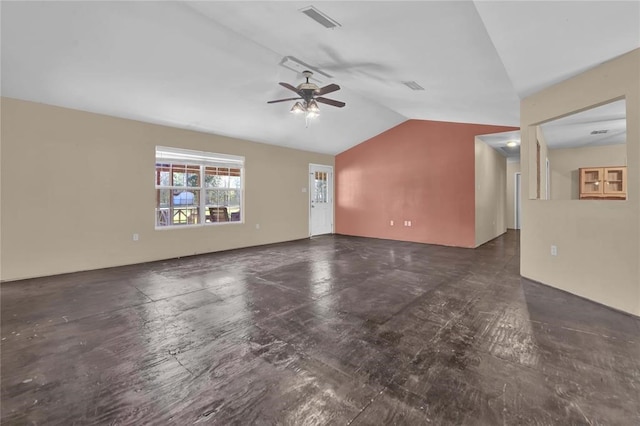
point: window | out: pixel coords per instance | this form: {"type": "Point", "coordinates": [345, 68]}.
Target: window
{"type": "Point", "coordinates": [197, 188]}
{"type": "Point", "coordinates": [319, 194]}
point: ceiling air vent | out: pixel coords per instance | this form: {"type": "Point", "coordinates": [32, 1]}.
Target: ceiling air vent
{"type": "Point", "coordinates": [320, 17]}
{"type": "Point", "coordinates": [599, 132]}
{"type": "Point", "coordinates": [412, 85]}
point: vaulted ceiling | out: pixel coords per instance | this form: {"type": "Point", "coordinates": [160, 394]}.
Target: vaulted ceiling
{"type": "Point", "coordinates": [212, 66]}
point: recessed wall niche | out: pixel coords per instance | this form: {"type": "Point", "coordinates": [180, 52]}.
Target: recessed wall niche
{"type": "Point", "coordinates": [593, 140]}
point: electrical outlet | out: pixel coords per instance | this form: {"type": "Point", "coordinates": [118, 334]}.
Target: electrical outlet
{"type": "Point", "coordinates": [408, 223]}
{"type": "Point", "coordinates": [391, 222]}
{"type": "Point", "coordinates": [554, 250]}
{"type": "Point", "coordinates": [257, 226]}
{"type": "Point", "coordinates": [136, 237]}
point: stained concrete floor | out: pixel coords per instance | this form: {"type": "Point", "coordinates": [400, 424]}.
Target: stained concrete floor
{"type": "Point", "coordinates": [332, 330]}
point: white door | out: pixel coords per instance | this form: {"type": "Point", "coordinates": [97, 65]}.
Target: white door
{"type": "Point", "coordinates": [517, 201]}
{"type": "Point", "coordinates": [321, 199]}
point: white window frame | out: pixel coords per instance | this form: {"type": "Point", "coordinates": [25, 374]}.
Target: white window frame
{"type": "Point", "coordinates": [201, 159]}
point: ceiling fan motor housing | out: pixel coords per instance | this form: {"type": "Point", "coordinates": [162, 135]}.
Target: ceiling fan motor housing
{"type": "Point", "coordinates": [307, 92]}
{"type": "Point", "coordinates": [306, 89]}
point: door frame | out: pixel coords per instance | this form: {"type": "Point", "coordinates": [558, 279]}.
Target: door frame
{"type": "Point", "coordinates": [517, 200]}
{"type": "Point", "coordinates": [547, 178]}
{"type": "Point", "coordinates": [332, 197]}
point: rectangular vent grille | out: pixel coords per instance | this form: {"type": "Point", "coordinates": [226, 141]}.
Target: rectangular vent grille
{"type": "Point", "coordinates": [599, 132]}
{"type": "Point", "coordinates": [320, 17]}
{"type": "Point", "coordinates": [412, 85]}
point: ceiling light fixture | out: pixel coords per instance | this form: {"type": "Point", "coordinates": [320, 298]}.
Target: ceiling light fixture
{"type": "Point", "coordinates": [310, 109]}
{"type": "Point", "coordinates": [313, 107]}
{"type": "Point", "coordinates": [512, 144]}
{"type": "Point", "coordinates": [297, 108]}
{"type": "Point", "coordinates": [310, 95]}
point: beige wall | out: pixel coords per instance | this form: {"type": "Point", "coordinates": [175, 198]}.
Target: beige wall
{"type": "Point", "coordinates": [598, 242]}
{"type": "Point", "coordinates": [565, 165]}
{"type": "Point", "coordinates": [490, 193]}
{"type": "Point", "coordinates": [512, 169]}
{"type": "Point", "coordinates": [77, 185]}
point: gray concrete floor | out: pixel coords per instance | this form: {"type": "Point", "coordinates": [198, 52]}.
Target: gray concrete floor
{"type": "Point", "coordinates": [332, 330]}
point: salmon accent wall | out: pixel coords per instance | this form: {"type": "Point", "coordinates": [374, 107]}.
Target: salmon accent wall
{"type": "Point", "coordinates": [419, 171]}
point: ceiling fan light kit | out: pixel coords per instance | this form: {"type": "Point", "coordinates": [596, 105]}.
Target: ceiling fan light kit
{"type": "Point", "coordinates": [310, 94]}
{"type": "Point", "coordinates": [313, 107]}
{"type": "Point", "coordinates": [297, 108]}
{"type": "Point", "coordinates": [309, 108]}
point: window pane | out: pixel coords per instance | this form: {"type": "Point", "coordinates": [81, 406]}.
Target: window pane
{"type": "Point", "coordinates": [165, 178]}
{"type": "Point", "coordinates": [211, 179]}
{"type": "Point", "coordinates": [163, 197]}
{"type": "Point", "coordinates": [185, 215]}
{"type": "Point", "coordinates": [179, 177]}
{"type": "Point", "coordinates": [163, 216]}
{"type": "Point", "coordinates": [163, 174]}
{"type": "Point", "coordinates": [186, 210]}
{"type": "Point", "coordinates": [186, 198]}
{"type": "Point", "coordinates": [235, 182]}
{"type": "Point", "coordinates": [193, 178]}
{"type": "Point", "coordinates": [234, 215]}
{"type": "Point", "coordinates": [320, 190]}
{"type": "Point", "coordinates": [215, 198]}
{"type": "Point", "coordinates": [233, 198]}
{"type": "Point", "coordinates": [224, 181]}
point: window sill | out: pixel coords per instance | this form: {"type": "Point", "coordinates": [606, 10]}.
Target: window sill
{"type": "Point", "coordinates": [197, 225]}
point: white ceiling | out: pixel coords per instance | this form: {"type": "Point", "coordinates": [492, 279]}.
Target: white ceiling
{"type": "Point", "coordinates": [572, 131]}
{"type": "Point", "coordinates": [499, 142]}
{"type": "Point", "coordinates": [575, 130]}
{"type": "Point", "coordinates": [212, 66]}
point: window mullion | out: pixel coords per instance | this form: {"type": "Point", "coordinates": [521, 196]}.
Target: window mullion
{"type": "Point", "coordinates": [202, 214]}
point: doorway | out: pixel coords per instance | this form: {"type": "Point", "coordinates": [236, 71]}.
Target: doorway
{"type": "Point", "coordinates": [320, 199]}
{"type": "Point", "coordinates": [516, 198]}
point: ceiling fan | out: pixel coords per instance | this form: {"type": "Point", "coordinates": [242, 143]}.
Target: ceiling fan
{"type": "Point", "coordinates": [310, 94]}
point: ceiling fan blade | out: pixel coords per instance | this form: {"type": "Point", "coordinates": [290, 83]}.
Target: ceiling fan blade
{"type": "Point", "coordinates": [288, 86]}
{"type": "Point", "coordinates": [283, 100]}
{"type": "Point", "coordinates": [326, 89]}
{"type": "Point", "coordinates": [330, 102]}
